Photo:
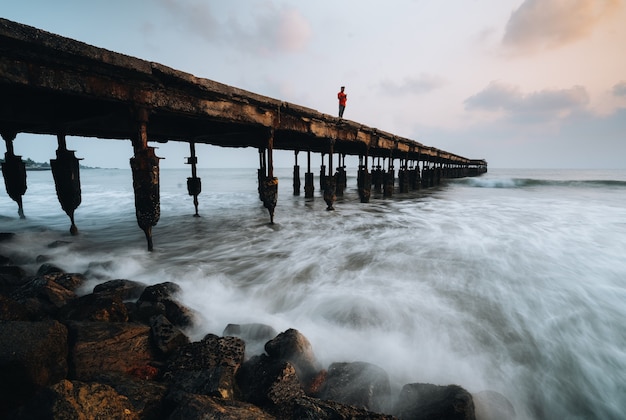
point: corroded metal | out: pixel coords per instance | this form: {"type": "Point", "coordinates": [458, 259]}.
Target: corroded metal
{"type": "Point", "coordinates": [66, 173]}
{"type": "Point", "coordinates": [14, 173]}
{"type": "Point", "coordinates": [269, 192]}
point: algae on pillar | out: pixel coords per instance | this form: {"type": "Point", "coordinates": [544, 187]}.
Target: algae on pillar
{"type": "Point", "coordinates": [145, 168]}
{"type": "Point", "coordinates": [14, 173]}
{"type": "Point", "coordinates": [66, 173]}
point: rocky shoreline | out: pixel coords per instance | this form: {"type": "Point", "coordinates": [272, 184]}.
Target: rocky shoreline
{"type": "Point", "coordinates": [120, 352]}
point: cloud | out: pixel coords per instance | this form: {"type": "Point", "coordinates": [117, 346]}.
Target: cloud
{"type": "Point", "coordinates": [413, 85]}
{"type": "Point", "coordinates": [548, 24]}
{"type": "Point", "coordinates": [544, 105]}
{"type": "Point", "coordinates": [261, 29]}
{"type": "Point", "coordinates": [620, 89]}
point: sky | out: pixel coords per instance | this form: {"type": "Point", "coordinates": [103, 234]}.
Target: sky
{"type": "Point", "coordinates": [520, 83]}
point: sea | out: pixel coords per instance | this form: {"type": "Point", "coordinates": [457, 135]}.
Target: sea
{"type": "Point", "coordinates": [513, 282]}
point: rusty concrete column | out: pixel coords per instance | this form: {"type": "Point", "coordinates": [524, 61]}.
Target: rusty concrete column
{"type": "Point", "coordinates": [330, 183]}
{"type": "Point", "coordinates": [323, 174]}
{"type": "Point", "coordinates": [269, 183]}
{"type": "Point", "coordinates": [341, 178]}
{"type": "Point", "coordinates": [194, 184]}
{"type": "Point", "coordinates": [377, 176]}
{"type": "Point", "coordinates": [14, 173]}
{"type": "Point", "coordinates": [66, 174]}
{"type": "Point", "coordinates": [389, 179]}
{"type": "Point", "coordinates": [145, 168]}
{"type": "Point", "coordinates": [296, 176]}
{"type": "Point", "coordinates": [309, 187]}
{"type": "Point", "coordinates": [364, 181]}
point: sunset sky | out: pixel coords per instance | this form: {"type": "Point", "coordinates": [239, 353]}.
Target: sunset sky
{"type": "Point", "coordinates": [521, 83]}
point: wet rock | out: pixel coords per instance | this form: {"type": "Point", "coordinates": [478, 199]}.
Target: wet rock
{"type": "Point", "coordinates": [146, 396]}
{"type": "Point", "coordinates": [491, 405]}
{"type": "Point", "coordinates": [43, 296]}
{"type": "Point", "coordinates": [71, 281]}
{"type": "Point", "coordinates": [359, 384]}
{"type": "Point", "coordinates": [10, 310]}
{"type": "Point", "coordinates": [95, 307]}
{"type": "Point", "coordinates": [293, 347]}
{"type": "Point", "coordinates": [191, 406]}
{"type": "Point", "coordinates": [160, 292]}
{"type": "Point", "coordinates": [46, 268]}
{"type": "Point", "coordinates": [77, 400]}
{"type": "Point", "coordinates": [428, 401]}
{"type": "Point", "coordinates": [158, 299]}
{"type": "Point", "coordinates": [100, 347]}
{"type": "Point", "coordinates": [207, 367]}
{"type": "Point", "coordinates": [165, 336]}
{"type": "Point", "coordinates": [254, 335]}
{"type": "Point", "coordinates": [5, 261]}
{"type": "Point", "coordinates": [32, 355]}
{"type": "Point", "coordinates": [268, 382]}
{"type": "Point", "coordinates": [11, 277]}
{"type": "Point", "coordinates": [126, 289]}
{"type": "Point", "coordinates": [58, 244]}
{"type": "Point", "coordinates": [312, 408]}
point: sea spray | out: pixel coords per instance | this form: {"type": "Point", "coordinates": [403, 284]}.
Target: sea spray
{"type": "Point", "coordinates": [515, 286]}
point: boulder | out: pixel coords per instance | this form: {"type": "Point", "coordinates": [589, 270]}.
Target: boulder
{"type": "Point", "coordinates": [47, 268]}
{"type": "Point", "coordinates": [430, 402]}
{"type": "Point", "coordinates": [32, 355]}
{"type": "Point", "coordinates": [125, 289]}
{"type": "Point", "coordinates": [206, 367]}
{"type": "Point", "coordinates": [10, 310]}
{"type": "Point", "coordinates": [165, 336]}
{"type": "Point", "coordinates": [95, 307]}
{"type": "Point", "coordinates": [159, 292]}
{"type": "Point", "coordinates": [43, 295]}
{"type": "Point", "coordinates": [77, 400]}
{"type": "Point", "coordinates": [101, 347]}
{"type": "Point", "coordinates": [491, 405]}
{"type": "Point", "coordinates": [159, 299]}
{"type": "Point", "coordinates": [268, 382]}
{"type": "Point", "coordinates": [295, 348]}
{"type": "Point", "coordinates": [359, 384]}
{"type": "Point", "coordinates": [313, 408]}
{"type": "Point", "coordinates": [71, 281]}
{"type": "Point", "coordinates": [254, 335]}
{"type": "Point", "coordinates": [185, 406]}
{"type": "Point", "coordinates": [146, 396]}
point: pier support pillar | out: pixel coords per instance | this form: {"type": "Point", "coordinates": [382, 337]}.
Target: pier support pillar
{"type": "Point", "coordinates": [194, 184]}
{"type": "Point", "coordinates": [341, 175]}
{"type": "Point", "coordinates": [364, 181]}
{"type": "Point", "coordinates": [322, 174]}
{"type": "Point", "coordinates": [330, 182]}
{"type": "Point", "coordinates": [309, 187]}
{"type": "Point", "coordinates": [296, 176]}
{"type": "Point", "coordinates": [268, 184]}
{"type": "Point", "coordinates": [403, 176]}
{"type": "Point", "coordinates": [389, 180]}
{"type": "Point", "coordinates": [377, 176]}
{"type": "Point", "coordinates": [66, 174]}
{"type": "Point", "coordinates": [14, 173]}
{"type": "Point", "coordinates": [145, 168]}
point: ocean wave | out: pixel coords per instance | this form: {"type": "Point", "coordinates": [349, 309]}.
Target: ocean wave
{"type": "Point", "coordinates": [531, 182]}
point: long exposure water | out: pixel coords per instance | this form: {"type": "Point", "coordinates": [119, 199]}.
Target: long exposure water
{"type": "Point", "coordinates": [514, 281]}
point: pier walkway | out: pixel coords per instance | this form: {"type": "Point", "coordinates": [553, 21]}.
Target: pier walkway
{"type": "Point", "coordinates": [54, 85]}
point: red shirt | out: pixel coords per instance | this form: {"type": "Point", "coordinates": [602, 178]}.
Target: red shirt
{"type": "Point", "coordinates": [342, 98]}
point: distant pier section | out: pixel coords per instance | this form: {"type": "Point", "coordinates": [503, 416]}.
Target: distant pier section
{"type": "Point", "coordinates": [54, 85]}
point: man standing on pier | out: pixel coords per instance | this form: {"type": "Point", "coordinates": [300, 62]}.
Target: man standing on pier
{"type": "Point", "coordinates": [342, 101]}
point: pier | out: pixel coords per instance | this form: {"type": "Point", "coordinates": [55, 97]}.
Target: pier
{"type": "Point", "coordinates": [54, 85]}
